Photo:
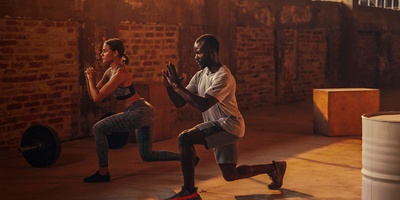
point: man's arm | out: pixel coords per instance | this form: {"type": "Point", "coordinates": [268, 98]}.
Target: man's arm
{"type": "Point", "coordinates": [180, 95]}
{"type": "Point", "coordinates": [175, 97]}
{"type": "Point", "coordinates": [201, 103]}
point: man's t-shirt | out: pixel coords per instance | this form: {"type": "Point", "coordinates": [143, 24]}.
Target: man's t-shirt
{"type": "Point", "coordinates": [222, 86]}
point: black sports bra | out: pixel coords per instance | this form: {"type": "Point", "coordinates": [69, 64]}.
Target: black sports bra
{"type": "Point", "coordinates": [122, 93]}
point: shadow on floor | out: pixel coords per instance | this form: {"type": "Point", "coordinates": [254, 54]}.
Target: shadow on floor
{"type": "Point", "coordinates": [284, 194]}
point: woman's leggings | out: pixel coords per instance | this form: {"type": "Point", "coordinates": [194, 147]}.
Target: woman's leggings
{"type": "Point", "coordinates": [139, 116]}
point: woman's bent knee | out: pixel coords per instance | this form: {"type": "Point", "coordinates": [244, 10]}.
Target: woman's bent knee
{"type": "Point", "coordinates": [146, 157]}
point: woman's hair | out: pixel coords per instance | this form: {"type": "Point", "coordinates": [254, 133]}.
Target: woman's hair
{"type": "Point", "coordinates": [116, 44]}
{"type": "Point", "coordinates": [210, 41]}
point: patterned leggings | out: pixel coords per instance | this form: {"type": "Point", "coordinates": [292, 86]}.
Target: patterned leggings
{"type": "Point", "coordinates": [139, 116]}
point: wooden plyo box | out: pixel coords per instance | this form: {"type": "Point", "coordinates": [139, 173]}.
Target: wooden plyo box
{"type": "Point", "coordinates": [338, 111]}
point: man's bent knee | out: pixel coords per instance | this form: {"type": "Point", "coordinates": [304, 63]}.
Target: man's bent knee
{"type": "Point", "coordinates": [183, 139]}
{"type": "Point", "coordinates": [229, 171]}
{"type": "Point", "coordinates": [230, 177]}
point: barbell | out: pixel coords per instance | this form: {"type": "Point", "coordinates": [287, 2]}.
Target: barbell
{"type": "Point", "coordinates": [40, 145]}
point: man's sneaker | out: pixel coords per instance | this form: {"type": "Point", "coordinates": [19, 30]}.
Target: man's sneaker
{"type": "Point", "coordinates": [277, 176]}
{"type": "Point", "coordinates": [184, 194]}
{"type": "Point", "coordinates": [97, 177]}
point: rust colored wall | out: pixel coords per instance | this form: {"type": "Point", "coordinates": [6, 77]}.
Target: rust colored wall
{"type": "Point", "coordinates": [278, 50]}
{"type": "Point", "coordinates": [39, 77]}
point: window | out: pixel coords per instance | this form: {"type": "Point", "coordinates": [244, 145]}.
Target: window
{"type": "Point", "coordinates": [388, 4]}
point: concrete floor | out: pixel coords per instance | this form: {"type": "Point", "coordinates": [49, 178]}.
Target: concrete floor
{"type": "Point", "coordinates": [319, 167]}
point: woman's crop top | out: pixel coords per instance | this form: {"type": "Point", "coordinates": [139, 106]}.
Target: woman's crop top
{"type": "Point", "coordinates": [122, 93]}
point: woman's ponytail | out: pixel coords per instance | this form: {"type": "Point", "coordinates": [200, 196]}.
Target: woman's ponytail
{"type": "Point", "coordinates": [124, 59]}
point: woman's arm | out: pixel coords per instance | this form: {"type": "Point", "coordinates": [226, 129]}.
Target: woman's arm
{"type": "Point", "coordinates": [105, 86]}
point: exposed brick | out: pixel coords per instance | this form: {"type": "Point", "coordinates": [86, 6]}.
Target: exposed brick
{"type": "Point", "coordinates": [35, 64]}
{"type": "Point", "coordinates": [68, 55]}
{"type": "Point", "coordinates": [54, 95]}
{"type": "Point", "coordinates": [61, 87]}
{"type": "Point", "coordinates": [149, 34]}
{"type": "Point", "coordinates": [20, 98]}
{"type": "Point", "coordinates": [31, 23]}
{"type": "Point", "coordinates": [9, 28]}
{"type": "Point", "coordinates": [10, 72]}
{"type": "Point", "coordinates": [42, 30]}
{"type": "Point", "coordinates": [27, 118]}
{"type": "Point", "coordinates": [60, 24]}
{"type": "Point", "coordinates": [37, 97]}
{"type": "Point", "coordinates": [41, 57]}
{"type": "Point", "coordinates": [24, 58]}
{"type": "Point", "coordinates": [170, 28]}
{"type": "Point", "coordinates": [147, 63]}
{"type": "Point", "coordinates": [8, 42]}
{"type": "Point", "coordinates": [159, 28]}
{"type": "Point", "coordinates": [54, 82]}
{"type": "Point", "coordinates": [14, 106]}
{"type": "Point", "coordinates": [4, 100]}
{"type": "Point", "coordinates": [54, 107]}
{"type": "Point", "coordinates": [170, 34]}
{"type": "Point", "coordinates": [72, 43]}
{"type": "Point", "coordinates": [43, 77]}
{"type": "Point", "coordinates": [6, 50]}
{"type": "Point", "coordinates": [12, 22]}
{"type": "Point", "coordinates": [70, 30]}
{"type": "Point", "coordinates": [11, 79]}
{"type": "Point", "coordinates": [136, 27]}
{"type": "Point", "coordinates": [123, 27]}
{"type": "Point", "coordinates": [31, 104]}
{"type": "Point", "coordinates": [29, 78]}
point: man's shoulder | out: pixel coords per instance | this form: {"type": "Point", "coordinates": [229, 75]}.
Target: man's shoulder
{"type": "Point", "coordinates": [224, 70]}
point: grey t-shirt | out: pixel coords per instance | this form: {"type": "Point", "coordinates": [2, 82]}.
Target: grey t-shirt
{"type": "Point", "coordinates": [222, 86]}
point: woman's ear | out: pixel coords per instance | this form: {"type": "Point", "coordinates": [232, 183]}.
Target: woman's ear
{"type": "Point", "coordinates": [115, 53]}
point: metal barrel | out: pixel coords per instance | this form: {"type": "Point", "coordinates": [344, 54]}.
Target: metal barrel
{"type": "Point", "coordinates": [381, 156]}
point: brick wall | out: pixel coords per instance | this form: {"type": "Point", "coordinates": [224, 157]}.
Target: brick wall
{"type": "Point", "coordinates": [392, 67]}
{"type": "Point", "coordinates": [303, 63]}
{"type": "Point", "coordinates": [312, 57]}
{"type": "Point", "coordinates": [39, 76]}
{"type": "Point", "coordinates": [149, 47]}
{"type": "Point", "coordinates": [255, 67]}
{"type": "Point", "coordinates": [301, 55]}
{"type": "Point", "coordinates": [367, 60]}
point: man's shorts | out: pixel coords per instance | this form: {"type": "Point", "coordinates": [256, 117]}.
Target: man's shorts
{"type": "Point", "coordinates": [225, 145]}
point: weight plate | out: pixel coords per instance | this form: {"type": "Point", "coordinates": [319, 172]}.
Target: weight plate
{"type": "Point", "coordinates": [50, 146]}
{"type": "Point", "coordinates": [116, 140]}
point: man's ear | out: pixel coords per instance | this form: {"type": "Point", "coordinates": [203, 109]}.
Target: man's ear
{"type": "Point", "coordinates": [213, 52]}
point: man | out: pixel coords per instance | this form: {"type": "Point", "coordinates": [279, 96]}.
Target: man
{"type": "Point", "coordinates": [212, 91]}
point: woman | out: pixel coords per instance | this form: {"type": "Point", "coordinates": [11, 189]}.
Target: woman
{"type": "Point", "coordinates": [138, 114]}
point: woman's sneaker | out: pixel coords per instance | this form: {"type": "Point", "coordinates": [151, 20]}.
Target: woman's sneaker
{"type": "Point", "coordinates": [277, 176]}
{"type": "Point", "coordinates": [97, 177]}
{"type": "Point", "coordinates": [184, 194]}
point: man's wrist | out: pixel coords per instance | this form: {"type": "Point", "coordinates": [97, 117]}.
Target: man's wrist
{"type": "Point", "coordinates": [174, 85]}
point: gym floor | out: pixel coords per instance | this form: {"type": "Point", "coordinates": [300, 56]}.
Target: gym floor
{"type": "Point", "coordinates": [319, 167]}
